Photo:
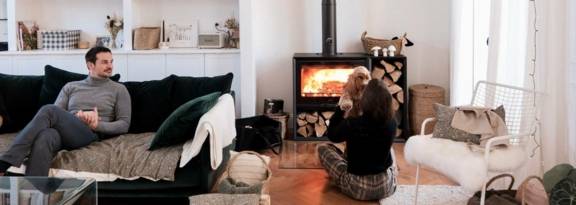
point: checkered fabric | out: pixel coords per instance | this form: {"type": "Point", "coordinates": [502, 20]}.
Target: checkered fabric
{"type": "Point", "coordinates": [60, 39]}
{"type": "Point", "coordinates": [367, 187]}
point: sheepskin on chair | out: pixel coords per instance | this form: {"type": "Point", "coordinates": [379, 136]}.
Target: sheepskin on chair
{"type": "Point", "coordinates": [457, 161]}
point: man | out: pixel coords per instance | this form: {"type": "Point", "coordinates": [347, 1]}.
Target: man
{"type": "Point", "coordinates": [83, 111]}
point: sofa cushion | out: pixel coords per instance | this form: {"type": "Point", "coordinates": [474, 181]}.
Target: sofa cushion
{"type": "Point", "coordinates": [188, 88]}
{"type": "Point", "coordinates": [181, 124]}
{"type": "Point", "coordinates": [150, 103]}
{"type": "Point", "coordinates": [55, 79]}
{"type": "Point", "coordinates": [18, 100]}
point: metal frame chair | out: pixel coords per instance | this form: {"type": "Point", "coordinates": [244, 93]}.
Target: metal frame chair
{"type": "Point", "coordinates": [519, 104]}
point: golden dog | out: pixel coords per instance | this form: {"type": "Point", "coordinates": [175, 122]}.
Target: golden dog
{"type": "Point", "coordinates": [353, 89]}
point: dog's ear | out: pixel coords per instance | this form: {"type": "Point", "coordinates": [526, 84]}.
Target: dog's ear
{"type": "Point", "coordinates": [359, 81]}
{"type": "Point", "coordinates": [349, 85]}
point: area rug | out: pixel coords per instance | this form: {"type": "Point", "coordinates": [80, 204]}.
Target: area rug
{"type": "Point", "coordinates": [429, 195]}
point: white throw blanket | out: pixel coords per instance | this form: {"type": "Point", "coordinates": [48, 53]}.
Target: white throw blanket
{"type": "Point", "coordinates": [219, 124]}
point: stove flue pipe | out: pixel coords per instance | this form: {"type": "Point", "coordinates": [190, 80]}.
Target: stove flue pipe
{"type": "Point", "coordinates": [329, 27]}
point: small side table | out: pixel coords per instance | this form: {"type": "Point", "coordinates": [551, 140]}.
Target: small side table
{"type": "Point", "coordinates": [47, 190]}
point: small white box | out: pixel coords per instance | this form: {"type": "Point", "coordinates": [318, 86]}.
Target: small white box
{"type": "Point", "coordinates": [211, 40]}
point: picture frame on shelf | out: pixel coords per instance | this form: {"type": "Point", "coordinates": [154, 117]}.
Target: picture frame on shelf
{"type": "Point", "coordinates": [103, 41]}
{"type": "Point", "coordinates": [182, 34]}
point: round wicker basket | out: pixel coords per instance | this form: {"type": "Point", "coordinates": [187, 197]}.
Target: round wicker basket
{"type": "Point", "coordinates": [422, 99]}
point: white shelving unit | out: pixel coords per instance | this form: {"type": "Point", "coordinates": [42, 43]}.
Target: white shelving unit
{"type": "Point", "coordinates": [90, 16]}
{"type": "Point", "coordinates": [133, 65]}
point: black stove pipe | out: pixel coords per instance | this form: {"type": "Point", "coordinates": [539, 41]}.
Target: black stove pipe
{"type": "Point", "coordinates": [329, 27]}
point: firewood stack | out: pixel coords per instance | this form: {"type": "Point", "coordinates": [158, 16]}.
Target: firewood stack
{"type": "Point", "coordinates": [390, 73]}
{"type": "Point", "coordinates": [313, 124]}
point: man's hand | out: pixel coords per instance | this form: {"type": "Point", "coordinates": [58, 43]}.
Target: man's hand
{"type": "Point", "coordinates": [89, 117]}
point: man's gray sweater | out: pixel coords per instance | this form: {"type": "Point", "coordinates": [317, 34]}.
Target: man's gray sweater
{"type": "Point", "coordinates": [111, 98]}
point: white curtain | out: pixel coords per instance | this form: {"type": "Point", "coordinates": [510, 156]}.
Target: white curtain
{"type": "Point", "coordinates": [556, 77]}
{"type": "Point", "coordinates": [469, 31]}
{"type": "Point", "coordinates": [509, 61]}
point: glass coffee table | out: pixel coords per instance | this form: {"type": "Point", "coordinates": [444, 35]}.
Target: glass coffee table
{"type": "Point", "coordinates": [47, 191]}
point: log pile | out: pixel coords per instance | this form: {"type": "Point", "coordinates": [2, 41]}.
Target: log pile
{"type": "Point", "coordinates": [391, 73]}
{"type": "Point", "coordinates": [314, 124]}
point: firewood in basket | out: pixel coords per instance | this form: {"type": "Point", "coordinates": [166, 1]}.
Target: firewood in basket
{"type": "Point", "coordinates": [395, 104]}
{"type": "Point", "coordinates": [302, 116]}
{"type": "Point", "coordinates": [301, 122]}
{"type": "Point", "coordinates": [312, 118]}
{"type": "Point", "coordinates": [396, 75]}
{"type": "Point", "coordinates": [389, 67]}
{"type": "Point", "coordinates": [399, 65]}
{"type": "Point", "coordinates": [309, 130]}
{"type": "Point", "coordinates": [393, 89]}
{"type": "Point", "coordinates": [400, 97]}
{"type": "Point", "coordinates": [302, 131]}
{"type": "Point", "coordinates": [378, 73]}
{"type": "Point", "coordinates": [388, 81]}
{"type": "Point", "coordinates": [327, 115]}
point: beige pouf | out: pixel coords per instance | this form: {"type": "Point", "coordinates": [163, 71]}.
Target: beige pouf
{"type": "Point", "coordinates": [422, 99]}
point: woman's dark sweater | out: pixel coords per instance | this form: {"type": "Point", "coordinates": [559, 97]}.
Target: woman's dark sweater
{"type": "Point", "coordinates": [368, 142]}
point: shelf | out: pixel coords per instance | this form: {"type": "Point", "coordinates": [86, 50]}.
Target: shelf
{"type": "Point", "coordinates": [64, 15]}
{"type": "Point", "coordinates": [120, 51]}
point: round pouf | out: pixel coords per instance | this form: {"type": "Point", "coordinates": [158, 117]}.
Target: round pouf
{"type": "Point", "coordinates": [422, 99]}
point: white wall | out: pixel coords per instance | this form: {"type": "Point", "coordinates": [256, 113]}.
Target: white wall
{"type": "Point", "coordinates": [283, 27]}
{"type": "Point", "coordinates": [88, 16]}
{"type": "Point", "coordinates": [207, 12]}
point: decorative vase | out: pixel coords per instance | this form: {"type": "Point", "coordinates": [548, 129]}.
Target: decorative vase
{"type": "Point", "coordinates": [113, 43]}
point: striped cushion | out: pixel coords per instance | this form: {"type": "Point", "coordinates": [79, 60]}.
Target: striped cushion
{"type": "Point", "coordinates": [248, 168]}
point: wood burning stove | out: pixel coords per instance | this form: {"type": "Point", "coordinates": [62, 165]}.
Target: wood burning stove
{"type": "Point", "coordinates": [319, 79]}
{"type": "Point", "coordinates": [318, 84]}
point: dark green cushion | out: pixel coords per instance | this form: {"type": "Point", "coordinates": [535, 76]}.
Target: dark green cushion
{"type": "Point", "coordinates": [181, 124]}
{"type": "Point", "coordinates": [54, 81]}
{"type": "Point", "coordinates": [18, 100]}
{"type": "Point", "coordinates": [188, 88]}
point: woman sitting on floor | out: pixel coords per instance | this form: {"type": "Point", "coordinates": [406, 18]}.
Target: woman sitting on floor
{"type": "Point", "coordinates": [366, 171]}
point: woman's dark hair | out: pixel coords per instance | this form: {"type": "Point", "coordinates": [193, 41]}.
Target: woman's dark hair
{"type": "Point", "coordinates": [376, 101]}
{"type": "Point", "coordinates": [91, 54]}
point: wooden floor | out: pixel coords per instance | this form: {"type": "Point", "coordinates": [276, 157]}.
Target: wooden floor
{"type": "Point", "coordinates": [311, 187]}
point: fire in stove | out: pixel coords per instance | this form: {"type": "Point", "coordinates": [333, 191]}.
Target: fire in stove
{"type": "Point", "coordinates": [323, 80]}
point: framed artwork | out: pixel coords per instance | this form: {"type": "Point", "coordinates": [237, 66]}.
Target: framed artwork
{"type": "Point", "coordinates": [103, 41]}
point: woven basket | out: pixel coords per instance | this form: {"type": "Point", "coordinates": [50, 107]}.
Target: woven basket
{"type": "Point", "coordinates": [146, 38]}
{"type": "Point", "coordinates": [265, 182]}
{"type": "Point", "coordinates": [422, 99]}
{"type": "Point", "coordinates": [369, 42]}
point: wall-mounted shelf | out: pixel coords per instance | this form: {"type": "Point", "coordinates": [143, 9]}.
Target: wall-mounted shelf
{"type": "Point", "coordinates": [121, 51]}
{"type": "Point", "coordinates": [90, 16]}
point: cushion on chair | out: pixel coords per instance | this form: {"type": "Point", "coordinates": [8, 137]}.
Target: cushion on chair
{"type": "Point", "coordinates": [444, 129]}
{"type": "Point", "coordinates": [456, 160]}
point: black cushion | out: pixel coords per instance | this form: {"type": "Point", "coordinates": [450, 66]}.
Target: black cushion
{"type": "Point", "coordinates": [150, 103]}
{"type": "Point", "coordinates": [55, 79]}
{"type": "Point", "coordinates": [181, 124]}
{"type": "Point", "coordinates": [188, 88]}
{"type": "Point", "coordinates": [19, 96]}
